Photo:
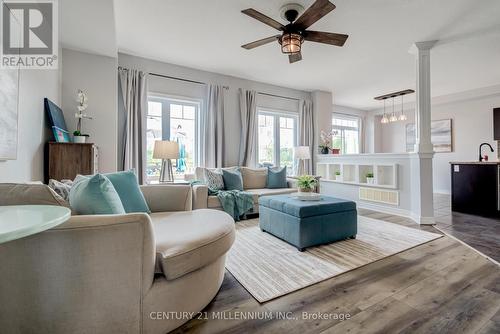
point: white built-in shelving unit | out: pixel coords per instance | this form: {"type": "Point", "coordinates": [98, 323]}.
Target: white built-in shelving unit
{"type": "Point", "coordinates": [385, 175]}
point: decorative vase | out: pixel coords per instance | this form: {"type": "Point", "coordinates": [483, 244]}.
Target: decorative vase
{"type": "Point", "coordinates": [370, 180]}
{"type": "Point", "coordinates": [335, 150]}
{"type": "Point", "coordinates": [305, 190]}
{"type": "Point", "coordinates": [338, 178]}
{"type": "Point", "coordinates": [79, 139]}
{"type": "Point", "coordinates": [324, 150]}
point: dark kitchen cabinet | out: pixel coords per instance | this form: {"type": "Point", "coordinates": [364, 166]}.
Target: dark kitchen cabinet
{"type": "Point", "coordinates": [475, 187]}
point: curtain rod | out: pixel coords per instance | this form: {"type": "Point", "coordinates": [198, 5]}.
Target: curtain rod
{"type": "Point", "coordinates": [181, 79]}
{"type": "Point", "coordinates": [281, 97]}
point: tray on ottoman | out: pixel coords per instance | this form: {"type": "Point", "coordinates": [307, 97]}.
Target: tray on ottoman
{"type": "Point", "coordinates": [308, 223]}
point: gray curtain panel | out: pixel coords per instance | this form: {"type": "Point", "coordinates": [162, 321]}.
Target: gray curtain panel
{"type": "Point", "coordinates": [306, 134]}
{"type": "Point", "coordinates": [212, 128]}
{"type": "Point", "coordinates": [134, 91]}
{"type": "Point", "coordinates": [362, 135]}
{"type": "Point", "coordinates": [248, 142]}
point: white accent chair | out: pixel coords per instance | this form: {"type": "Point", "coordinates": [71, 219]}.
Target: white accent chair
{"type": "Point", "coordinates": [113, 273]}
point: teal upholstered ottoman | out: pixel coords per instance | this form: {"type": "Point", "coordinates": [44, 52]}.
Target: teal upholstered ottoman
{"type": "Point", "coordinates": [308, 223]}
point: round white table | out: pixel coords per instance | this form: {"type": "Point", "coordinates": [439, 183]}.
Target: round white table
{"type": "Point", "coordinates": [19, 221]}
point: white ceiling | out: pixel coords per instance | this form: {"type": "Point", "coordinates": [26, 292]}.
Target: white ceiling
{"type": "Point", "coordinates": [375, 60]}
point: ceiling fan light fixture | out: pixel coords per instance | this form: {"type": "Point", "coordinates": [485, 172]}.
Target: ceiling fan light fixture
{"type": "Point", "coordinates": [291, 42]}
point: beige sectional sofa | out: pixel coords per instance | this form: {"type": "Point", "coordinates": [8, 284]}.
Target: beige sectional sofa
{"type": "Point", "coordinates": [113, 273]}
{"type": "Point", "coordinates": [254, 182]}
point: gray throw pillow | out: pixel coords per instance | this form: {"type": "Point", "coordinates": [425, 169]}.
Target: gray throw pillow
{"type": "Point", "coordinates": [214, 180]}
{"type": "Point", "coordinates": [276, 178]}
{"type": "Point", "coordinates": [232, 180]}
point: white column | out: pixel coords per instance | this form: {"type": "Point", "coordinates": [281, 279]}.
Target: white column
{"type": "Point", "coordinates": [422, 52]}
{"type": "Point", "coordinates": [421, 159]}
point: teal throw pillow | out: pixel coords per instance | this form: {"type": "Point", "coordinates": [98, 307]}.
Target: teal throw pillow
{"type": "Point", "coordinates": [127, 187]}
{"type": "Point", "coordinates": [94, 195]}
{"type": "Point", "coordinates": [276, 178]}
{"type": "Point", "coordinates": [232, 180]}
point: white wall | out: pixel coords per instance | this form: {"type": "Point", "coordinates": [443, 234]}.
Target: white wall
{"type": "Point", "coordinates": [34, 86]}
{"type": "Point", "coordinates": [97, 76]}
{"type": "Point", "coordinates": [472, 124]}
{"type": "Point", "coordinates": [197, 91]}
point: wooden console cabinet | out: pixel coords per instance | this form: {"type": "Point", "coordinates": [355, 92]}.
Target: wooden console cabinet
{"type": "Point", "coordinates": [66, 160]}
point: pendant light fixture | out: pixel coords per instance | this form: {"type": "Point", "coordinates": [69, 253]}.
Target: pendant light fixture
{"type": "Point", "coordinates": [393, 117]}
{"type": "Point", "coordinates": [384, 119]}
{"type": "Point", "coordinates": [402, 116]}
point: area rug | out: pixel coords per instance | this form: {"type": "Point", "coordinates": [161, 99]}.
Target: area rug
{"type": "Point", "coordinates": [269, 268]}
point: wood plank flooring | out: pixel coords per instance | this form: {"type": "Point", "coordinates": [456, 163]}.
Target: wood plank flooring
{"type": "Point", "coordinates": [480, 233]}
{"type": "Point", "coordinates": [439, 287]}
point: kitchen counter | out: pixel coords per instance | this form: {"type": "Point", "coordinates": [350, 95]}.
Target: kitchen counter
{"type": "Point", "coordinates": [475, 163]}
{"type": "Point", "coordinates": [475, 187]}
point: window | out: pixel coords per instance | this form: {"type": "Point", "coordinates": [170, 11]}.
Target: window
{"type": "Point", "coordinates": [346, 133]}
{"type": "Point", "coordinates": [277, 135]}
{"type": "Point", "coordinates": [176, 120]}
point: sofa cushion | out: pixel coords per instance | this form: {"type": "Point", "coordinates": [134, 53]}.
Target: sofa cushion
{"type": "Point", "coordinates": [232, 180]}
{"type": "Point", "coordinates": [95, 195]}
{"type": "Point", "coordinates": [267, 192]}
{"type": "Point", "coordinates": [276, 178]}
{"type": "Point", "coordinates": [213, 202]}
{"type": "Point", "coordinates": [29, 194]}
{"type": "Point", "coordinates": [187, 241]}
{"type": "Point", "coordinates": [200, 171]}
{"type": "Point", "coordinates": [254, 178]}
{"type": "Point", "coordinates": [214, 180]}
{"type": "Point", "coordinates": [127, 187]}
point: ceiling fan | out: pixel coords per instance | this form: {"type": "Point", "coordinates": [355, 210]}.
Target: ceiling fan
{"type": "Point", "coordinates": [295, 33]}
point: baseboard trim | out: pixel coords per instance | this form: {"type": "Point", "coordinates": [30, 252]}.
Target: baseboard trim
{"type": "Point", "coordinates": [424, 220]}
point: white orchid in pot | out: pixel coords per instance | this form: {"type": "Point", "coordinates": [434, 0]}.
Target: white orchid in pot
{"type": "Point", "coordinates": [78, 136]}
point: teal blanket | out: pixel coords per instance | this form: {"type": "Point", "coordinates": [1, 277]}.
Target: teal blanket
{"type": "Point", "coordinates": [234, 202]}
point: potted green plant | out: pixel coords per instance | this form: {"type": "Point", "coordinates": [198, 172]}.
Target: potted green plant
{"type": "Point", "coordinates": [337, 176]}
{"type": "Point", "coordinates": [370, 178]}
{"type": "Point", "coordinates": [306, 183]}
{"type": "Point", "coordinates": [78, 137]}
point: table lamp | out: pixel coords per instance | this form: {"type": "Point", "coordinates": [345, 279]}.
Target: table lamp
{"type": "Point", "coordinates": [301, 153]}
{"type": "Point", "coordinates": [166, 150]}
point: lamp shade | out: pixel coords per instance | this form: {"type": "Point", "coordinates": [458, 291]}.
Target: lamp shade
{"type": "Point", "coordinates": [166, 150]}
{"type": "Point", "coordinates": [301, 152]}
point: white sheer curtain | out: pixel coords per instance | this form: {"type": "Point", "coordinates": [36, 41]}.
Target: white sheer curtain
{"type": "Point", "coordinates": [248, 113]}
{"type": "Point", "coordinates": [134, 90]}
{"type": "Point", "coordinates": [306, 134]}
{"type": "Point", "coordinates": [212, 128]}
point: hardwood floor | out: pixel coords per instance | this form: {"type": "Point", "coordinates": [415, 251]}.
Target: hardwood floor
{"type": "Point", "coordinates": [439, 287]}
{"type": "Point", "coordinates": [480, 233]}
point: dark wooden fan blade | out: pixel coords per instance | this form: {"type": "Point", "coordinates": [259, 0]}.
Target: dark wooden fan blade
{"type": "Point", "coordinates": [294, 57]}
{"type": "Point", "coordinates": [260, 42]}
{"type": "Point", "coordinates": [325, 37]}
{"type": "Point", "coordinates": [317, 10]}
{"type": "Point", "coordinates": [263, 18]}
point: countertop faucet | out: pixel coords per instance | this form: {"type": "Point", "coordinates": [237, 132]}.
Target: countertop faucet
{"type": "Point", "coordinates": [480, 147]}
